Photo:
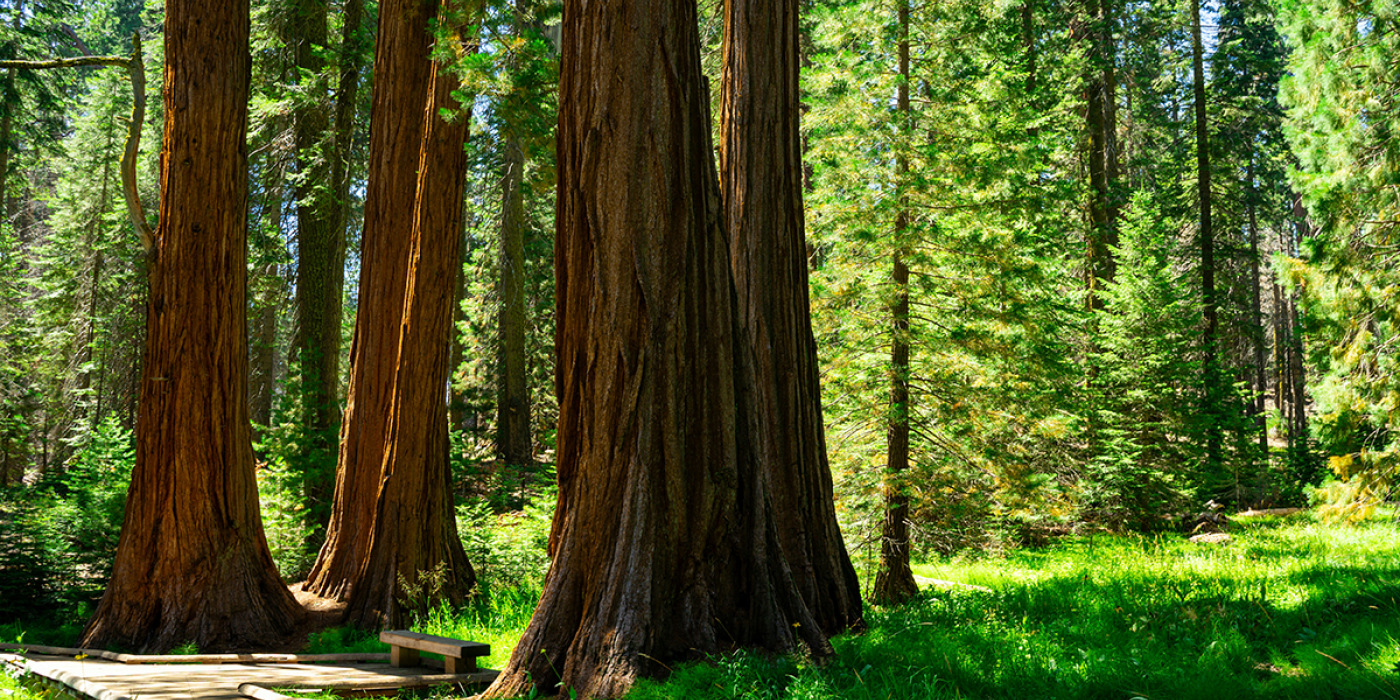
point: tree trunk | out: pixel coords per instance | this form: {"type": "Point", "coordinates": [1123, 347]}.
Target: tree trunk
{"type": "Point", "coordinates": [267, 300]}
{"type": "Point", "coordinates": [513, 390]}
{"type": "Point", "coordinates": [263, 345]}
{"type": "Point", "coordinates": [1213, 391]}
{"type": "Point", "coordinates": [402, 70]}
{"type": "Point", "coordinates": [1100, 113]}
{"type": "Point", "coordinates": [320, 266]}
{"type": "Point", "coordinates": [894, 581]}
{"type": "Point", "coordinates": [192, 564]}
{"type": "Point", "coordinates": [456, 397]}
{"type": "Point", "coordinates": [761, 180]}
{"type": "Point", "coordinates": [664, 546]}
{"type": "Point", "coordinates": [1261, 373]}
{"type": "Point", "coordinates": [9, 99]}
{"type": "Point", "coordinates": [415, 557]}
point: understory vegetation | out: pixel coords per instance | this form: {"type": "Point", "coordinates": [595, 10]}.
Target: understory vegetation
{"type": "Point", "coordinates": [1290, 608]}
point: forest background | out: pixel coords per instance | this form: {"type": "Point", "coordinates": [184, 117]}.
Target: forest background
{"type": "Point", "coordinates": [1098, 262]}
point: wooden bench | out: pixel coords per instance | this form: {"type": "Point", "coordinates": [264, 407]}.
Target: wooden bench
{"type": "Point", "coordinates": [457, 656]}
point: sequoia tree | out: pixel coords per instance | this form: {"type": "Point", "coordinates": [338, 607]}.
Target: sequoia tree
{"type": "Point", "coordinates": [663, 542]}
{"type": "Point", "coordinates": [403, 70]}
{"type": "Point", "coordinates": [760, 175]}
{"type": "Point", "coordinates": [192, 564]}
{"type": "Point", "coordinates": [413, 541]}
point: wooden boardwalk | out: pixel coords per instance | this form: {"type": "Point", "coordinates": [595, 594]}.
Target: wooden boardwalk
{"type": "Point", "coordinates": [102, 679]}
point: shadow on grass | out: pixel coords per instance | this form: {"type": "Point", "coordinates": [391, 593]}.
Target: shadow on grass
{"type": "Point", "coordinates": [1253, 625]}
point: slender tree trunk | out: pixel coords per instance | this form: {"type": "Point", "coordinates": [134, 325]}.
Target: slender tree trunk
{"type": "Point", "coordinates": [192, 563]}
{"type": "Point", "coordinates": [456, 397]}
{"type": "Point", "coordinates": [761, 180]}
{"type": "Point", "coordinates": [1261, 373]}
{"type": "Point", "coordinates": [267, 300]}
{"type": "Point", "coordinates": [663, 541]}
{"type": "Point", "coordinates": [1212, 390]}
{"type": "Point", "coordinates": [8, 101]}
{"type": "Point", "coordinates": [1100, 113]}
{"type": "Point", "coordinates": [894, 581]}
{"type": "Point", "coordinates": [513, 390]}
{"type": "Point", "coordinates": [414, 542]}
{"type": "Point", "coordinates": [320, 267]}
{"type": "Point", "coordinates": [263, 346]}
{"type": "Point", "coordinates": [87, 410]}
{"type": "Point", "coordinates": [402, 70]}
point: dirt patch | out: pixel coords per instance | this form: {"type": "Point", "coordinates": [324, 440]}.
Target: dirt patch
{"type": "Point", "coordinates": [320, 614]}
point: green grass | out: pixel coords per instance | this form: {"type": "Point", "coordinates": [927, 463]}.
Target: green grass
{"type": "Point", "coordinates": [1288, 610]}
{"type": "Point", "coordinates": [12, 689]}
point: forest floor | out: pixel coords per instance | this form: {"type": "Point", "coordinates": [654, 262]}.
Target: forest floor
{"type": "Point", "coordinates": [1288, 608]}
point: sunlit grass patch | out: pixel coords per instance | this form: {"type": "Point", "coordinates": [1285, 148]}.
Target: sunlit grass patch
{"type": "Point", "coordinates": [1288, 609]}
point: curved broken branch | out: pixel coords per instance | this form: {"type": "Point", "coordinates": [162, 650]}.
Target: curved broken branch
{"type": "Point", "coordinates": [136, 68]}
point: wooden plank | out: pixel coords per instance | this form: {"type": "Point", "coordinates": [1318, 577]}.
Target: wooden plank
{"type": "Point", "coordinates": [199, 658]}
{"type": "Point", "coordinates": [459, 665]}
{"type": "Point", "coordinates": [433, 644]}
{"type": "Point", "coordinates": [403, 656]}
{"type": "Point", "coordinates": [483, 677]}
{"type": "Point", "coordinates": [250, 658]}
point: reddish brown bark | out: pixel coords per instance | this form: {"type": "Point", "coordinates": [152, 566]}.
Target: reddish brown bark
{"type": "Point", "coordinates": [403, 69]}
{"type": "Point", "coordinates": [760, 175]}
{"type": "Point", "coordinates": [414, 528]}
{"type": "Point", "coordinates": [193, 564]}
{"type": "Point", "coordinates": [663, 540]}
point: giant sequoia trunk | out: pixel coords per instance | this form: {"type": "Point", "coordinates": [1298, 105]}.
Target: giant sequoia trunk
{"type": "Point", "coordinates": [402, 68]}
{"type": "Point", "coordinates": [760, 174]}
{"type": "Point", "coordinates": [663, 540]}
{"type": "Point", "coordinates": [192, 564]}
{"type": "Point", "coordinates": [414, 529]}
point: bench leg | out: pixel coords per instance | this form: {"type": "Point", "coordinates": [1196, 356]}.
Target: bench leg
{"type": "Point", "coordinates": [455, 665]}
{"type": "Point", "coordinates": [403, 656]}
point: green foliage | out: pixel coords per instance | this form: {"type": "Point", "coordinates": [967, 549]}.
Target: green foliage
{"type": "Point", "coordinates": [60, 535]}
{"type": "Point", "coordinates": [1149, 444]}
{"type": "Point", "coordinates": [988, 201]}
{"type": "Point", "coordinates": [508, 550]}
{"type": "Point", "coordinates": [1342, 118]}
{"type": "Point", "coordinates": [297, 458]}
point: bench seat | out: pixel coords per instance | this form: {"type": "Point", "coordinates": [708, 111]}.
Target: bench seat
{"type": "Point", "coordinates": [458, 656]}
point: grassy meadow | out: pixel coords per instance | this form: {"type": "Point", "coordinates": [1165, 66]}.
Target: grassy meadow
{"type": "Point", "coordinates": [1290, 608]}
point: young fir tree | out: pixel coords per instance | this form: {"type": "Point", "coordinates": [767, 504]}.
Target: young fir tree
{"type": "Point", "coordinates": [1148, 380]}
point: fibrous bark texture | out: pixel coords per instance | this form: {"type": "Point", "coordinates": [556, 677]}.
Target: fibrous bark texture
{"type": "Point", "coordinates": [403, 69]}
{"type": "Point", "coordinates": [415, 556]}
{"type": "Point", "coordinates": [663, 541]}
{"type": "Point", "coordinates": [193, 564]}
{"type": "Point", "coordinates": [760, 175]}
